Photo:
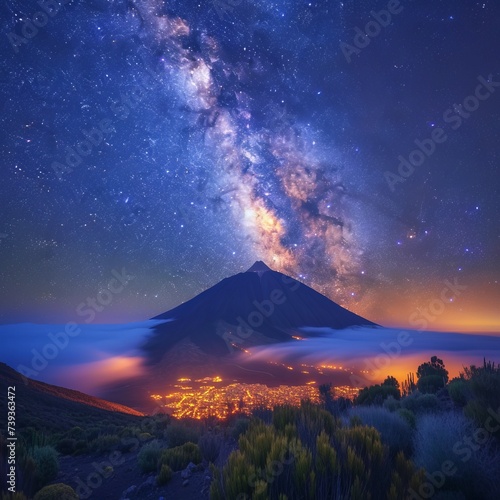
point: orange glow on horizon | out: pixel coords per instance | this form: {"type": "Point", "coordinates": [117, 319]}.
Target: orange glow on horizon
{"type": "Point", "coordinates": [89, 377]}
{"type": "Point", "coordinates": [473, 310]}
{"type": "Point", "coordinates": [401, 366]}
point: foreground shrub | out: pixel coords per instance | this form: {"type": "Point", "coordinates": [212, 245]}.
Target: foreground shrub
{"type": "Point", "coordinates": [391, 404]}
{"type": "Point", "coordinates": [308, 419]}
{"type": "Point", "coordinates": [459, 392]}
{"type": "Point", "coordinates": [409, 416]}
{"type": "Point", "coordinates": [239, 427]}
{"type": "Point", "coordinates": [404, 478]}
{"type": "Point", "coordinates": [13, 496]}
{"type": "Point", "coordinates": [482, 392]}
{"type": "Point", "coordinates": [161, 421]}
{"type": "Point", "coordinates": [148, 456]}
{"type": "Point", "coordinates": [104, 443]}
{"type": "Point", "coordinates": [164, 476]}
{"type": "Point", "coordinates": [76, 433]}
{"type": "Point", "coordinates": [377, 394]}
{"type": "Point", "coordinates": [432, 376]}
{"type": "Point", "coordinates": [420, 403]}
{"type": "Point", "coordinates": [179, 457]}
{"type": "Point", "coordinates": [261, 466]}
{"type": "Point", "coordinates": [46, 465]}
{"type": "Point", "coordinates": [59, 491]}
{"type": "Point", "coordinates": [129, 431]}
{"type": "Point", "coordinates": [210, 445]}
{"type": "Point", "coordinates": [92, 433]}
{"type": "Point", "coordinates": [394, 430]}
{"type": "Point", "coordinates": [177, 434]}
{"type": "Point", "coordinates": [452, 437]}
{"type": "Point", "coordinates": [430, 384]}
{"type": "Point", "coordinates": [283, 461]}
{"type": "Point", "coordinates": [34, 438]}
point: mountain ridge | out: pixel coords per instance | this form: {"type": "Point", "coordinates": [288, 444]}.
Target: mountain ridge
{"type": "Point", "coordinates": [29, 390]}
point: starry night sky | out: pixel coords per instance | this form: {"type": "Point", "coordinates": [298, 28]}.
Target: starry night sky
{"type": "Point", "coordinates": [221, 132]}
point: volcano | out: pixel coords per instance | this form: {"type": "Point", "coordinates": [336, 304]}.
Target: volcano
{"type": "Point", "coordinates": [256, 307]}
{"type": "Point", "coordinates": [208, 340]}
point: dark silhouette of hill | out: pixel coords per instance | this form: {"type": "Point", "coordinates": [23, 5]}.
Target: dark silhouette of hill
{"type": "Point", "coordinates": [48, 406]}
{"type": "Point", "coordinates": [256, 307]}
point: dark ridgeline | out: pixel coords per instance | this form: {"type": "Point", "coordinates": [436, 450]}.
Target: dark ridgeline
{"type": "Point", "coordinates": [55, 406]}
{"type": "Point", "coordinates": [259, 306]}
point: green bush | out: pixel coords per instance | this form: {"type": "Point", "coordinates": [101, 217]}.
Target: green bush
{"type": "Point", "coordinates": [160, 423]}
{"type": "Point", "coordinates": [148, 456]}
{"type": "Point", "coordinates": [164, 476]}
{"type": "Point", "coordinates": [444, 436]}
{"type": "Point", "coordinates": [59, 491]}
{"type": "Point", "coordinates": [129, 431]}
{"type": "Point", "coordinates": [394, 430]}
{"type": "Point", "coordinates": [391, 404]}
{"type": "Point", "coordinates": [66, 446]}
{"type": "Point", "coordinates": [104, 443]}
{"type": "Point", "coordinates": [354, 421]}
{"type": "Point", "coordinates": [210, 445]}
{"type": "Point", "coordinates": [251, 472]}
{"type": "Point", "coordinates": [177, 434]}
{"type": "Point", "coordinates": [76, 433]}
{"type": "Point", "coordinates": [458, 391]}
{"type": "Point", "coordinates": [46, 465]}
{"type": "Point", "coordinates": [309, 420]}
{"type": "Point", "coordinates": [432, 376]}
{"type": "Point", "coordinates": [483, 392]}
{"type": "Point", "coordinates": [377, 394]}
{"type": "Point", "coordinates": [409, 416]}
{"type": "Point", "coordinates": [13, 496]}
{"type": "Point", "coordinates": [420, 403]}
{"type": "Point", "coordinates": [34, 438]}
{"type": "Point", "coordinates": [179, 457]}
{"type": "Point", "coordinates": [239, 427]}
{"type": "Point", "coordinates": [281, 461]}
{"type": "Point", "coordinates": [92, 433]}
{"type": "Point", "coordinates": [404, 476]}
{"type": "Point", "coordinates": [430, 384]}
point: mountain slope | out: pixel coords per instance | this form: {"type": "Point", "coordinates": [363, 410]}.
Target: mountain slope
{"type": "Point", "coordinates": [39, 403]}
